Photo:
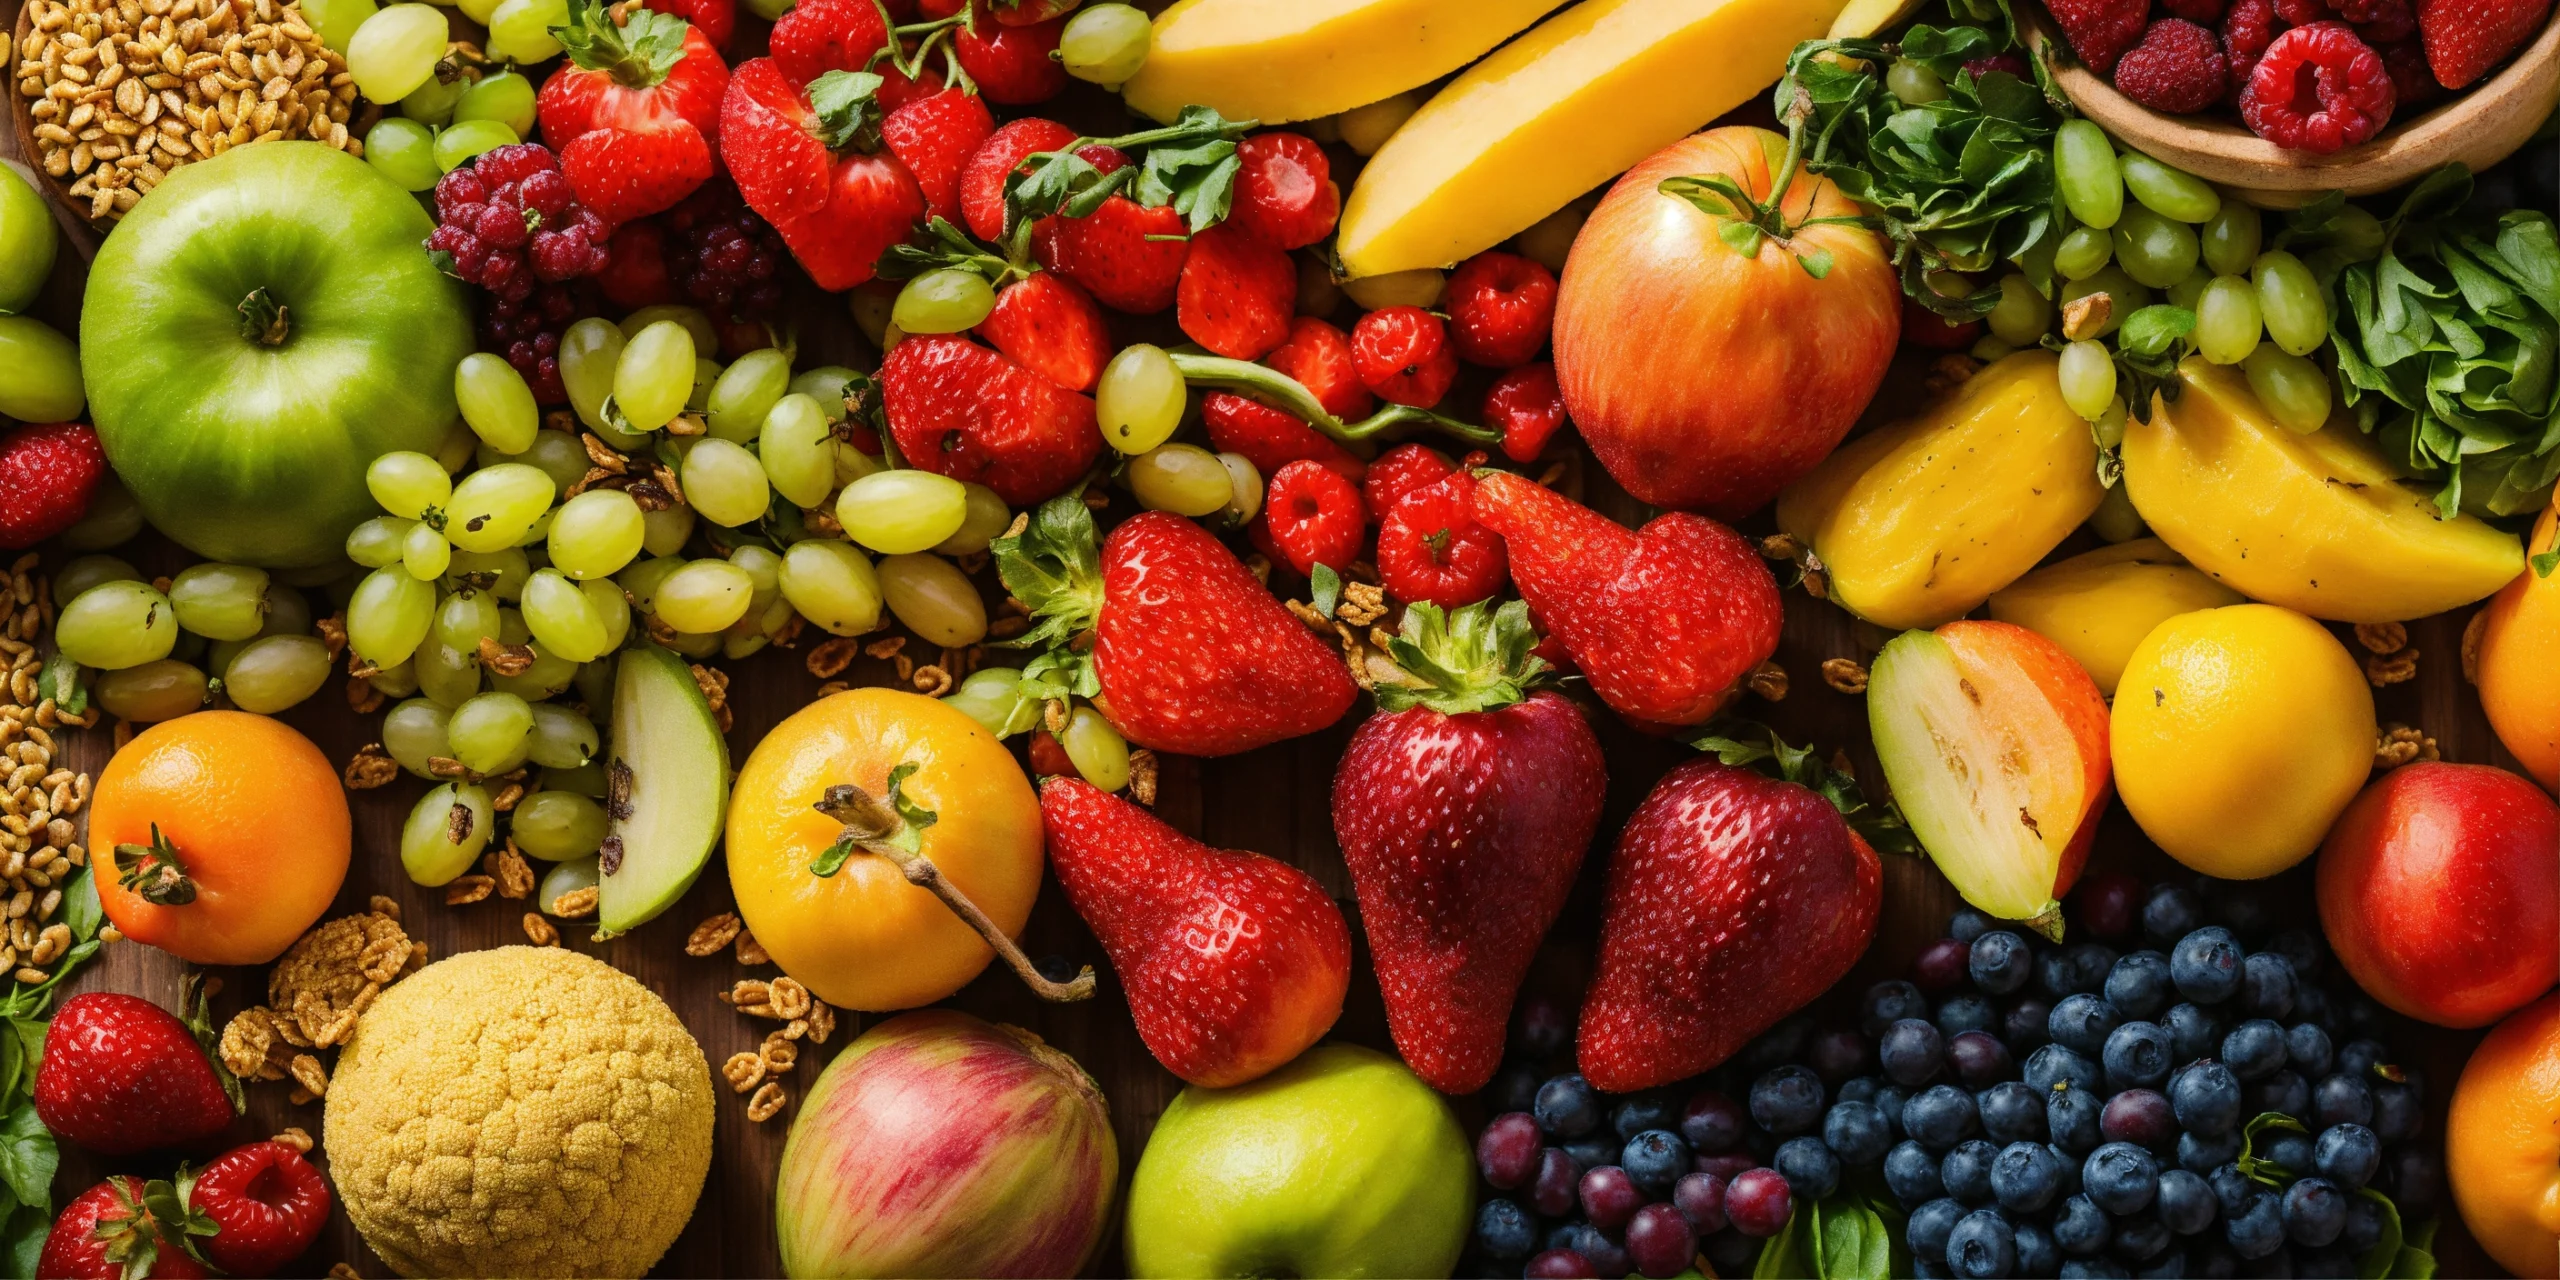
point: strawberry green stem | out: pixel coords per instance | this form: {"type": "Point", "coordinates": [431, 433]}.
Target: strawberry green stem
{"type": "Point", "coordinates": [1283, 392]}
{"type": "Point", "coordinates": [1476, 659]}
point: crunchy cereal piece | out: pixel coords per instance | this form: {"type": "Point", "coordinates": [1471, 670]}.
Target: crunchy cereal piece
{"type": "Point", "coordinates": [417, 959]}
{"type": "Point", "coordinates": [2472, 633]}
{"type": "Point", "coordinates": [295, 1138]}
{"type": "Point", "coordinates": [307, 1072]}
{"type": "Point", "coordinates": [1361, 604]}
{"type": "Point", "coordinates": [505, 659]}
{"type": "Point", "coordinates": [2385, 670]}
{"type": "Point", "coordinates": [341, 1271]}
{"type": "Point", "coordinates": [509, 869]}
{"type": "Point", "coordinates": [710, 936]}
{"type": "Point", "coordinates": [370, 767]}
{"type": "Point", "coordinates": [932, 680]}
{"type": "Point", "coordinates": [789, 999]}
{"type": "Point", "coordinates": [336, 968]}
{"type": "Point", "coordinates": [508, 797]}
{"type": "Point", "coordinates": [248, 1042]}
{"type": "Point", "coordinates": [2401, 744]}
{"type": "Point", "coordinates": [821, 1020]}
{"type": "Point", "coordinates": [301, 1097]}
{"type": "Point", "coordinates": [1847, 675]}
{"type": "Point", "coordinates": [767, 1103]}
{"type": "Point", "coordinates": [540, 930]}
{"type": "Point", "coordinates": [2083, 317]}
{"type": "Point", "coordinates": [744, 1070]}
{"type": "Point", "coordinates": [747, 995]}
{"type": "Point", "coordinates": [363, 698]}
{"type": "Point", "coordinates": [333, 633]}
{"type": "Point", "coordinates": [1143, 768]}
{"type": "Point", "coordinates": [829, 658]}
{"type": "Point", "coordinates": [576, 904]}
{"type": "Point", "coordinates": [779, 1054]}
{"type": "Point", "coordinates": [2382, 637]}
{"type": "Point", "coordinates": [383, 906]}
{"type": "Point", "coordinates": [1769, 680]}
{"type": "Point", "coordinates": [462, 891]}
{"type": "Point", "coordinates": [751, 952]}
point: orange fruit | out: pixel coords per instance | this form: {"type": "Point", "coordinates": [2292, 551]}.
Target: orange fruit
{"type": "Point", "coordinates": [2519, 651]}
{"type": "Point", "coordinates": [2502, 1141]}
{"type": "Point", "coordinates": [218, 837]}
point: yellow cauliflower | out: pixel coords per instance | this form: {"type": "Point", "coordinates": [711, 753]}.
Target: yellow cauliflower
{"type": "Point", "coordinates": [525, 1111]}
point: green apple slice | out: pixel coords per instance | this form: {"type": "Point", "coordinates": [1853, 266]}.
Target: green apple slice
{"type": "Point", "coordinates": [667, 790]}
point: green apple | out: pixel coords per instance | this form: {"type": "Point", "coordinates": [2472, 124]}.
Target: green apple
{"type": "Point", "coordinates": [258, 330]}
{"type": "Point", "coordinates": [1342, 1163]}
{"type": "Point", "coordinates": [26, 239]}
{"type": "Point", "coordinates": [667, 789]}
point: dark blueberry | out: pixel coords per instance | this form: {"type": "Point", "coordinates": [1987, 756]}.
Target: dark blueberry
{"type": "Point", "coordinates": [1507, 1150]}
{"type": "Point", "coordinates": [1505, 1230]}
{"type": "Point", "coordinates": [2200, 1154]}
{"type": "Point", "coordinates": [2094, 1269]}
{"type": "Point", "coordinates": [1980, 1060]}
{"type": "Point", "coordinates": [2323, 1264]}
{"type": "Point", "coordinates": [2212, 1260]}
{"type": "Point", "coordinates": [1888, 1003]}
{"type": "Point", "coordinates": [2142, 1237]}
{"type": "Point", "coordinates": [1644, 1111]}
{"type": "Point", "coordinates": [2207, 1098]}
{"type": "Point", "coordinates": [1558, 1186]}
{"type": "Point", "coordinates": [2025, 1177]}
{"type": "Point", "coordinates": [2109, 904]}
{"type": "Point", "coordinates": [2037, 1253]}
{"type": "Point", "coordinates": [1939, 1116]}
{"type": "Point", "coordinates": [2242, 906]}
{"type": "Point", "coordinates": [1594, 1151]}
{"type": "Point", "coordinates": [2138, 985]}
{"type": "Point", "coordinates": [2055, 976]}
{"type": "Point", "coordinates": [2312, 1004]}
{"type": "Point", "coordinates": [1911, 1173]}
{"type": "Point", "coordinates": [2282, 1092]}
{"type": "Point", "coordinates": [2186, 1203]}
{"type": "Point", "coordinates": [1857, 1089]}
{"type": "Point", "coordinates": [1731, 1252]}
{"type": "Point", "coordinates": [2302, 948]}
{"type": "Point", "coordinates": [2011, 1112]}
{"type": "Point", "coordinates": [1563, 1235]}
{"type": "Point", "coordinates": [1811, 1169]}
{"type": "Point", "coordinates": [1930, 1226]}
{"type": "Point", "coordinates": [2193, 1032]}
{"type": "Point", "coordinates": [2315, 1212]}
{"type": "Point", "coordinates": [1607, 1256]}
{"type": "Point", "coordinates": [2306, 1049]}
{"type": "Point", "coordinates": [2071, 1118]}
{"type": "Point", "coordinates": [2168, 1266]}
{"type": "Point", "coordinates": [1655, 1158]}
{"type": "Point", "coordinates": [1610, 1197]}
{"type": "Point", "coordinates": [1857, 1133]}
{"type": "Point", "coordinates": [2258, 1229]}
{"type": "Point", "coordinates": [1775, 1047]}
{"type": "Point", "coordinates": [2341, 1099]}
{"type": "Point", "coordinates": [2082, 1023]}
{"type": "Point", "coordinates": [2171, 913]}
{"type": "Point", "coordinates": [1982, 1246]}
{"type": "Point", "coordinates": [1958, 1014]}
{"type": "Point", "coordinates": [2364, 1225]}
{"type": "Point", "coordinates": [2358, 1015]}
{"type": "Point", "coordinates": [1514, 1088]}
{"type": "Point", "coordinates": [2232, 1188]}
{"type": "Point", "coordinates": [2266, 985]}
{"type": "Point", "coordinates": [1541, 1027]}
{"type": "Point", "coordinates": [2001, 962]}
{"type": "Point", "coordinates": [2396, 1115]}
{"type": "Point", "coordinates": [2023, 1026]}
{"type": "Point", "coordinates": [2347, 1155]}
{"type": "Point", "coordinates": [2255, 1049]}
{"type": "Point", "coordinates": [2081, 1228]}
{"type": "Point", "coordinates": [2206, 965]}
{"type": "Point", "coordinates": [1966, 1171]}
{"type": "Point", "coordinates": [2120, 1178]}
{"type": "Point", "coordinates": [1660, 1242]}
{"type": "Point", "coordinates": [2091, 962]}
{"type": "Point", "coordinates": [1700, 1198]}
{"type": "Point", "coordinates": [1890, 1099]}
{"type": "Point", "coordinates": [1840, 1054]}
{"type": "Point", "coordinates": [1968, 924]}
{"type": "Point", "coordinates": [2358, 1058]}
{"type": "Point", "coordinates": [2417, 1182]}
{"type": "Point", "coordinates": [2286, 1149]}
{"type": "Point", "coordinates": [2142, 1117]}
{"type": "Point", "coordinates": [1787, 1101]}
{"type": "Point", "coordinates": [1911, 1052]}
{"type": "Point", "coordinates": [2136, 1056]}
{"type": "Point", "coordinates": [1711, 1122]}
{"type": "Point", "coordinates": [1942, 966]}
{"type": "Point", "coordinates": [2054, 1064]}
{"type": "Point", "coordinates": [1568, 1106]}
{"type": "Point", "coordinates": [2070, 1170]}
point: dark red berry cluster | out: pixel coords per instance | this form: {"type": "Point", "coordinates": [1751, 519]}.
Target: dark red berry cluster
{"type": "Point", "coordinates": [527, 332]}
{"type": "Point", "coordinates": [723, 257]}
{"type": "Point", "coordinates": [508, 221]}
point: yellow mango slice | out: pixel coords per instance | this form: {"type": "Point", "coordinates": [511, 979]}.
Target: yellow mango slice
{"type": "Point", "coordinates": [1556, 113]}
{"type": "Point", "coordinates": [1863, 18]}
{"type": "Point", "coordinates": [2099, 605]}
{"type": "Point", "coordinates": [1300, 59]}
{"type": "Point", "coordinates": [1919, 521]}
{"type": "Point", "coordinates": [2318, 523]}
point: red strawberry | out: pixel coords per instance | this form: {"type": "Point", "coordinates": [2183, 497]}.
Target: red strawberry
{"type": "Point", "coordinates": [123, 1229]}
{"type": "Point", "coordinates": [809, 162]}
{"type": "Point", "coordinates": [1400, 471]}
{"type": "Point", "coordinates": [716, 19]}
{"type": "Point", "coordinates": [1501, 307]}
{"type": "Point", "coordinates": [268, 1202]}
{"type": "Point", "coordinates": [47, 472]}
{"type": "Point", "coordinates": [1316, 516]}
{"type": "Point", "coordinates": [1403, 354]}
{"type": "Point", "coordinates": [1463, 809]}
{"type": "Point", "coordinates": [1233, 962]}
{"type": "Point", "coordinates": [960, 410]}
{"type": "Point", "coordinates": [1191, 654]}
{"type": "Point", "coordinates": [635, 266]}
{"type": "Point", "coordinates": [1014, 66]}
{"type": "Point", "coordinates": [1733, 900]}
{"type": "Point", "coordinates": [1666, 622]}
{"type": "Point", "coordinates": [1049, 757]}
{"type": "Point", "coordinates": [1110, 254]}
{"type": "Point", "coordinates": [121, 1074]}
{"type": "Point", "coordinates": [1236, 294]}
{"type": "Point", "coordinates": [1024, 13]}
{"type": "Point", "coordinates": [934, 136]}
{"type": "Point", "coordinates": [2465, 38]}
{"type": "Point", "coordinates": [1319, 357]}
{"type": "Point", "coordinates": [982, 179]}
{"type": "Point", "coordinates": [1431, 548]}
{"type": "Point", "coordinates": [1285, 196]}
{"type": "Point", "coordinates": [635, 110]}
{"type": "Point", "coordinates": [1271, 438]}
{"type": "Point", "coordinates": [2099, 31]}
{"type": "Point", "coordinates": [1527, 406]}
{"type": "Point", "coordinates": [819, 36]}
{"type": "Point", "coordinates": [1052, 328]}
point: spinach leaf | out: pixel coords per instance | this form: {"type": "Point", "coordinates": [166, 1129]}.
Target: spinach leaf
{"type": "Point", "coordinates": [28, 1156]}
{"type": "Point", "coordinates": [22, 1245]}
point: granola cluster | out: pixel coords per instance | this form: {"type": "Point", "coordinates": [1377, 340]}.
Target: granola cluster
{"type": "Point", "coordinates": [315, 994]}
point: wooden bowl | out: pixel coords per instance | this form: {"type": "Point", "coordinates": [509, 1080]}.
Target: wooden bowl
{"type": "Point", "coordinates": [2478, 127]}
{"type": "Point", "coordinates": [69, 210]}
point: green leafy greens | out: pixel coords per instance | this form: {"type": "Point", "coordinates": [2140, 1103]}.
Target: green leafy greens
{"type": "Point", "coordinates": [28, 1154]}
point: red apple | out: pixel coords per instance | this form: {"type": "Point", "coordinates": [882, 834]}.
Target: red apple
{"type": "Point", "coordinates": [1705, 379]}
{"type": "Point", "coordinates": [2440, 892]}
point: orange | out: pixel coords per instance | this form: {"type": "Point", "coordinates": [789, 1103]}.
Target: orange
{"type": "Point", "coordinates": [2502, 1141]}
{"type": "Point", "coordinates": [253, 818]}
{"type": "Point", "coordinates": [2519, 652]}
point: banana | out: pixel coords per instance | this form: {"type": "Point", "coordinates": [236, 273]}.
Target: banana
{"type": "Point", "coordinates": [1281, 60]}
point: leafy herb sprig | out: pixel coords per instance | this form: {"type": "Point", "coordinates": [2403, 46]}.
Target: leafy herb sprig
{"type": "Point", "coordinates": [1190, 165]}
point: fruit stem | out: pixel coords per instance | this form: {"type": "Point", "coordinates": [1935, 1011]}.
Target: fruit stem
{"type": "Point", "coordinates": [153, 872]}
{"type": "Point", "coordinates": [263, 320]}
{"type": "Point", "coordinates": [1283, 392]}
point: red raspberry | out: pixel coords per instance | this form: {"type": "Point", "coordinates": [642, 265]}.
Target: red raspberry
{"type": "Point", "coordinates": [1319, 357]}
{"type": "Point", "coordinates": [2413, 82]}
{"type": "Point", "coordinates": [1315, 516]}
{"type": "Point", "coordinates": [1402, 470]}
{"type": "Point", "coordinates": [47, 472]}
{"type": "Point", "coordinates": [1501, 306]}
{"type": "Point", "coordinates": [2206, 12]}
{"type": "Point", "coordinates": [2178, 68]}
{"type": "Point", "coordinates": [635, 266]}
{"type": "Point", "coordinates": [269, 1204]}
{"type": "Point", "coordinates": [1285, 195]}
{"type": "Point", "coordinates": [2319, 89]}
{"type": "Point", "coordinates": [2099, 31]}
{"type": "Point", "coordinates": [2304, 12]}
{"type": "Point", "coordinates": [1403, 354]}
{"type": "Point", "coordinates": [1269, 438]}
{"type": "Point", "coordinates": [1527, 407]}
{"type": "Point", "coordinates": [1430, 548]}
{"type": "Point", "coordinates": [2246, 32]}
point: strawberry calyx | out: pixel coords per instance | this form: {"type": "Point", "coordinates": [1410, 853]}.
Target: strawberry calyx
{"type": "Point", "coordinates": [1287, 394]}
{"type": "Point", "coordinates": [639, 54]}
{"type": "Point", "coordinates": [153, 872]}
{"type": "Point", "coordinates": [949, 247]}
{"type": "Point", "coordinates": [1051, 560]}
{"type": "Point", "coordinates": [1749, 743]}
{"type": "Point", "coordinates": [1190, 165]}
{"type": "Point", "coordinates": [161, 1217]}
{"type": "Point", "coordinates": [846, 108]}
{"type": "Point", "coordinates": [1475, 659]}
{"type": "Point", "coordinates": [195, 1007]}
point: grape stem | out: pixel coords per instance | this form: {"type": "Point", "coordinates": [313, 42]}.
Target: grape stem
{"type": "Point", "coordinates": [1283, 392]}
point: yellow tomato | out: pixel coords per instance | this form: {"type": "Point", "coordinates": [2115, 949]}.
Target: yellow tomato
{"type": "Point", "coordinates": [2238, 735]}
{"type": "Point", "coordinates": [864, 937]}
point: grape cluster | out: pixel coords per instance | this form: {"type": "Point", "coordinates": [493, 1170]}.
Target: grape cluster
{"type": "Point", "coordinates": [723, 257]}
{"type": "Point", "coordinates": [239, 634]}
{"type": "Point", "coordinates": [508, 221]}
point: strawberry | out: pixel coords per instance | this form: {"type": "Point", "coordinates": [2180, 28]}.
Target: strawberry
{"type": "Point", "coordinates": [1049, 756]}
{"type": "Point", "coordinates": [1285, 196]}
{"type": "Point", "coordinates": [1233, 962]}
{"type": "Point", "coordinates": [1051, 327]}
{"type": "Point", "coordinates": [716, 19]}
{"type": "Point", "coordinates": [1734, 899]}
{"type": "Point", "coordinates": [1400, 471]}
{"type": "Point", "coordinates": [1501, 307]}
{"type": "Point", "coordinates": [960, 410]}
{"type": "Point", "coordinates": [121, 1074]}
{"type": "Point", "coordinates": [634, 112]}
{"type": "Point", "coordinates": [1431, 548]}
{"type": "Point", "coordinates": [268, 1202]}
{"type": "Point", "coordinates": [1111, 254]}
{"type": "Point", "coordinates": [1403, 354]}
{"type": "Point", "coordinates": [1236, 293]}
{"type": "Point", "coordinates": [1463, 808]}
{"type": "Point", "coordinates": [2464, 38]}
{"type": "Point", "coordinates": [982, 179]}
{"type": "Point", "coordinates": [1271, 438]}
{"type": "Point", "coordinates": [1527, 406]}
{"type": "Point", "coordinates": [47, 472]}
{"type": "Point", "coordinates": [2100, 31]}
{"type": "Point", "coordinates": [934, 136]}
{"type": "Point", "coordinates": [634, 273]}
{"type": "Point", "coordinates": [1666, 622]}
{"type": "Point", "coordinates": [124, 1229]}
{"type": "Point", "coordinates": [1316, 516]}
{"type": "Point", "coordinates": [819, 36]}
{"type": "Point", "coordinates": [811, 164]}
{"type": "Point", "coordinates": [1188, 653]}
{"type": "Point", "coordinates": [1013, 65]}
{"type": "Point", "coordinates": [1319, 357]}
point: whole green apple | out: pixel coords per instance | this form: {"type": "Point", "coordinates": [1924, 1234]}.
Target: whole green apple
{"type": "Point", "coordinates": [256, 331]}
{"type": "Point", "coordinates": [1342, 1163]}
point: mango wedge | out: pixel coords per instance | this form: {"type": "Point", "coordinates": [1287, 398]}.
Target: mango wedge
{"type": "Point", "coordinates": [2099, 605]}
{"type": "Point", "coordinates": [1863, 18]}
{"type": "Point", "coordinates": [2318, 523]}
{"type": "Point", "coordinates": [1556, 113]}
{"type": "Point", "coordinates": [1300, 59]}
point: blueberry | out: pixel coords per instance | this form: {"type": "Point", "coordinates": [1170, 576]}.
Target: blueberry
{"type": "Point", "coordinates": [2094, 1269]}
{"type": "Point", "coordinates": [1968, 924]}
{"type": "Point", "coordinates": [2023, 1026]}
{"type": "Point", "coordinates": [1505, 1230]}
{"type": "Point", "coordinates": [2341, 1099]}
{"type": "Point", "coordinates": [1655, 1158]}
{"type": "Point", "coordinates": [2070, 1171]}
{"type": "Point", "coordinates": [2171, 913]}
{"type": "Point", "coordinates": [2347, 1155]}
{"type": "Point", "coordinates": [1839, 1054]}
{"type": "Point", "coordinates": [2091, 962]}
{"type": "Point", "coordinates": [2136, 1056]}
{"type": "Point", "coordinates": [2206, 965]}
{"type": "Point", "coordinates": [2071, 1117]}
{"type": "Point", "coordinates": [2266, 984]}
{"type": "Point", "coordinates": [2142, 1237]}
{"type": "Point", "coordinates": [1939, 1116]}
{"type": "Point", "coordinates": [2200, 1154]}
{"type": "Point", "coordinates": [1644, 1111]}
{"type": "Point", "coordinates": [2186, 1203]}
{"type": "Point", "coordinates": [2417, 1182]}
{"type": "Point", "coordinates": [1711, 1122]}
{"type": "Point", "coordinates": [2213, 1260]}
{"type": "Point", "coordinates": [2359, 1057]}
{"type": "Point", "coordinates": [2302, 948]}
{"type": "Point", "coordinates": [2037, 1253]}
{"type": "Point", "coordinates": [1857, 1133]}
{"type": "Point", "coordinates": [2312, 1004]}
{"type": "Point", "coordinates": [1606, 1256]}
{"type": "Point", "coordinates": [1810, 1168]}
{"type": "Point", "coordinates": [1514, 1088]}
{"type": "Point", "coordinates": [2142, 1117]}
{"type": "Point", "coordinates": [2396, 1117]}
{"type": "Point", "coordinates": [1730, 1251]}
{"type": "Point", "coordinates": [1563, 1235]}
{"type": "Point", "coordinates": [2306, 1049]}
{"type": "Point", "coordinates": [1775, 1047]}
{"type": "Point", "coordinates": [2241, 906]}
{"type": "Point", "coordinates": [1911, 1173]}
{"type": "Point", "coordinates": [1966, 1171]}
{"type": "Point", "coordinates": [1857, 1089]}
{"type": "Point", "coordinates": [2026, 1176]}
{"type": "Point", "coordinates": [1930, 1226]}
{"type": "Point", "coordinates": [2001, 962]}
{"type": "Point", "coordinates": [1567, 1106]}
{"type": "Point", "coordinates": [2082, 1023]}
{"type": "Point", "coordinates": [1890, 1099]}
{"type": "Point", "coordinates": [2258, 1229]}
{"type": "Point", "coordinates": [2288, 1150]}
{"type": "Point", "coordinates": [2138, 985]}
{"type": "Point", "coordinates": [2193, 1032]}
{"type": "Point", "coordinates": [1958, 1014]}
{"type": "Point", "coordinates": [2315, 1212]}
{"type": "Point", "coordinates": [2081, 1228]}
{"type": "Point", "coordinates": [1888, 1003]}
{"type": "Point", "coordinates": [2011, 1112]}
{"type": "Point", "coordinates": [1982, 1246]}
{"type": "Point", "coordinates": [2232, 1188]}
{"type": "Point", "coordinates": [2055, 975]}
{"type": "Point", "coordinates": [2168, 1266]}
{"type": "Point", "coordinates": [1787, 1101]}
{"type": "Point", "coordinates": [2120, 1177]}
{"type": "Point", "coordinates": [2207, 1098]}
{"type": "Point", "coordinates": [2323, 1264]}
{"type": "Point", "coordinates": [2054, 1064]}
{"type": "Point", "coordinates": [1912, 1052]}
{"type": "Point", "coordinates": [2255, 1049]}
{"type": "Point", "coordinates": [1594, 1151]}
{"type": "Point", "coordinates": [2284, 1092]}
{"type": "Point", "coordinates": [2359, 1016]}
{"type": "Point", "coordinates": [2364, 1225]}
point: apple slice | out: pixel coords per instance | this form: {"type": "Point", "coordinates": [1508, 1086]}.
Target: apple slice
{"type": "Point", "coordinates": [667, 790]}
{"type": "Point", "coordinates": [1994, 742]}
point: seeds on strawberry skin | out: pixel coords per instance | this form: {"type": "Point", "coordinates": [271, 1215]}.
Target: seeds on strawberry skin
{"type": "Point", "coordinates": [1316, 516]}
{"type": "Point", "coordinates": [1431, 548]}
{"type": "Point", "coordinates": [1527, 406]}
{"type": "Point", "coordinates": [1501, 308]}
{"type": "Point", "coordinates": [1319, 357]}
{"type": "Point", "coordinates": [1236, 293]}
{"type": "Point", "coordinates": [1285, 193]}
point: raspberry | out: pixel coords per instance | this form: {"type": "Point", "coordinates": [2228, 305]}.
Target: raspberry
{"type": "Point", "coordinates": [723, 256]}
{"type": "Point", "coordinates": [2412, 80]}
{"type": "Point", "coordinates": [2304, 12]}
{"type": "Point", "coordinates": [2203, 12]}
{"type": "Point", "coordinates": [1402, 470]}
{"type": "Point", "coordinates": [1319, 357]}
{"type": "Point", "coordinates": [2099, 31]}
{"type": "Point", "coordinates": [2014, 64]}
{"type": "Point", "coordinates": [527, 333]}
{"type": "Point", "coordinates": [1403, 354]}
{"type": "Point", "coordinates": [2319, 89]}
{"type": "Point", "coordinates": [2177, 68]}
{"type": "Point", "coordinates": [507, 222]}
{"type": "Point", "coordinates": [2246, 32]}
{"type": "Point", "coordinates": [1501, 307]}
{"type": "Point", "coordinates": [635, 266]}
{"type": "Point", "coordinates": [1431, 548]}
{"type": "Point", "coordinates": [1315, 516]}
{"type": "Point", "coordinates": [1527, 407]}
{"type": "Point", "coordinates": [1285, 196]}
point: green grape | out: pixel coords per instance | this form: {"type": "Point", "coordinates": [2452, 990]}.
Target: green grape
{"type": "Point", "coordinates": [654, 375]}
{"type": "Point", "coordinates": [1913, 84]}
{"type": "Point", "coordinates": [2088, 377]}
{"type": "Point", "coordinates": [389, 615]}
{"type": "Point", "coordinates": [520, 30]}
{"type": "Point", "coordinates": [549, 674]}
{"type": "Point", "coordinates": [395, 50]}
{"type": "Point", "coordinates": [220, 601]}
{"type": "Point", "coordinates": [663, 532]}
{"type": "Point", "coordinates": [826, 384]}
{"type": "Point", "coordinates": [1105, 44]}
{"type": "Point", "coordinates": [984, 522]}
{"type": "Point", "coordinates": [445, 675]}
{"type": "Point", "coordinates": [218, 655]}
{"type": "Point", "coordinates": [115, 625]}
{"type": "Point", "coordinates": [639, 582]}
{"type": "Point", "coordinates": [604, 598]}
{"type": "Point", "coordinates": [2116, 520]}
{"type": "Point", "coordinates": [1244, 489]}
{"type": "Point", "coordinates": [408, 484]}
{"type": "Point", "coordinates": [490, 732]}
{"type": "Point", "coordinates": [559, 455]}
{"type": "Point", "coordinates": [413, 732]}
{"type": "Point", "coordinates": [798, 452]}
{"type": "Point", "coordinates": [704, 597]}
{"type": "Point", "coordinates": [934, 599]}
{"type": "Point", "coordinates": [336, 21]}
{"type": "Point", "coordinates": [557, 825]}
{"type": "Point", "coordinates": [2189, 290]}
{"type": "Point", "coordinates": [992, 696]}
{"type": "Point", "coordinates": [288, 614]}
{"type": "Point", "coordinates": [696, 647]}
{"type": "Point", "coordinates": [446, 832]}
{"type": "Point", "coordinates": [2231, 239]}
{"type": "Point", "coordinates": [755, 630]}
{"type": "Point", "coordinates": [696, 322]}
{"type": "Point", "coordinates": [503, 96]}
{"type": "Point", "coordinates": [562, 739]}
{"type": "Point", "coordinates": [405, 151]}
{"type": "Point", "coordinates": [2291, 388]}
{"type": "Point", "coordinates": [590, 350]}
{"type": "Point", "coordinates": [2154, 250]}
{"type": "Point", "coordinates": [432, 103]}
{"type": "Point", "coordinates": [1140, 399]}
{"type": "Point", "coordinates": [567, 878]}
{"type": "Point", "coordinates": [2085, 167]}
{"type": "Point", "coordinates": [596, 533]}
{"type": "Point", "coordinates": [456, 450]}
{"type": "Point", "coordinates": [2108, 429]}
{"type": "Point", "coordinates": [501, 572]}
{"type": "Point", "coordinates": [161, 690]}
{"type": "Point", "coordinates": [556, 611]}
{"type": "Point", "coordinates": [2172, 193]}
{"type": "Point", "coordinates": [1096, 749]}
{"type": "Point", "coordinates": [276, 672]}
{"type": "Point", "coordinates": [396, 681]}
{"type": "Point", "coordinates": [2357, 235]}
{"type": "Point", "coordinates": [2084, 253]}
{"type": "Point", "coordinates": [770, 10]}
{"type": "Point", "coordinates": [706, 372]}
{"type": "Point", "coordinates": [112, 520]}
{"type": "Point", "coordinates": [2124, 297]}
{"type": "Point", "coordinates": [379, 541]}
{"type": "Point", "coordinates": [493, 506]}
{"type": "Point", "coordinates": [587, 779]}
{"type": "Point", "coordinates": [832, 585]}
{"type": "Point", "coordinates": [1184, 479]}
{"type": "Point", "coordinates": [946, 300]}
{"type": "Point", "coordinates": [853, 464]}
{"type": "Point", "coordinates": [496, 402]}
{"type": "Point", "coordinates": [746, 393]}
{"type": "Point", "coordinates": [44, 372]}
{"type": "Point", "coordinates": [2289, 297]}
{"type": "Point", "coordinates": [2227, 324]}
{"type": "Point", "coordinates": [462, 143]}
{"type": "Point", "coordinates": [79, 575]}
{"type": "Point", "coordinates": [900, 511]}
{"type": "Point", "coordinates": [2022, 315]}
{"type": "Point", "coordinates": [424, 553]}
{"type": "Point", "coordinates": [595, 688]}
{"type": "Point", "coordinates": [724, 483]}
{"type": "Point", "coordinates": [764, 568]}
